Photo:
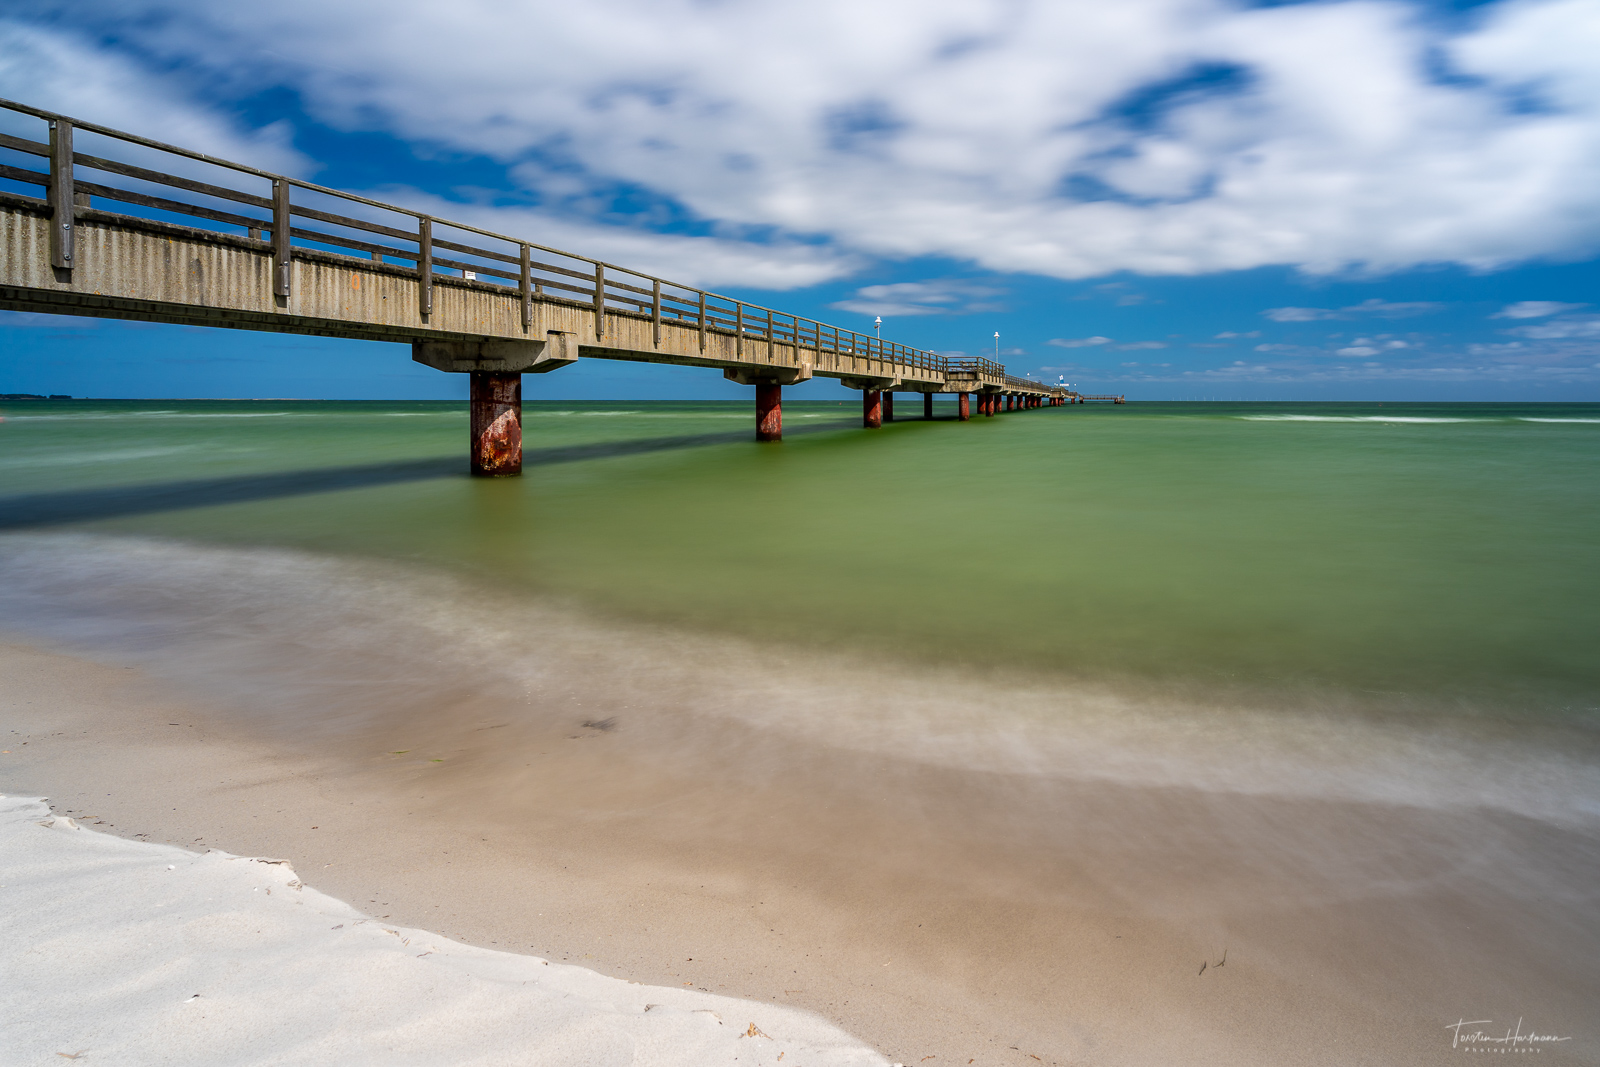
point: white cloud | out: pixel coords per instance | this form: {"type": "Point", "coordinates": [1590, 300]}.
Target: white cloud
{"type": "Point", "coordinates": [1573, 327]}
{"type": "Point", "coordinates": [1078, 342]}
{"type": "Point", "coordinates": [1299, 314]}
{"type": "Point", "coordinates": [996, 132]}
{"type": "Point", "coordinates": [1227, 334]}
{"type": "Point", "coordinates": [699, 261]}
{"type": "Point", "coordinates": [1142, 344]}
{"type": "Point", "coordinates": [945, 296]}
{"type": "Point", "coordinates": [1382, 308]}
{"type": "Point", "coordinates": [1534, 309]}
{"type": "Point", "coordinates": [1392, 309]}
{"type": "Point", "coordinates": [1357, 350]}
{"type": "Point", "coordinates": [61, 73]}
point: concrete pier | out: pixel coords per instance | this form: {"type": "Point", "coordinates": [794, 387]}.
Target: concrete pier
{"type": "Point", "coordinates": [257, 251]}
{"type": "Point", "coordinates": [496, 423]}
{"type": "Point", "coordinates": [927, 405]}
{"type": "Point", "coordinates": [888, 406]}
{"type": "Point", "coordinates": [963, 406]}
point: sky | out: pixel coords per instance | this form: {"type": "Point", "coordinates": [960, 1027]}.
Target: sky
{"type": "Point", "coordinates": [1170, 199]}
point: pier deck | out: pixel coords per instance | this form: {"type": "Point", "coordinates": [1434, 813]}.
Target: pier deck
{"type": "Point", "coordinates": [164, 234]}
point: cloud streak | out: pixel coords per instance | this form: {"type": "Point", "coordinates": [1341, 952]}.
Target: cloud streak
{"type": "Point", "coordinates": [1070, 139]}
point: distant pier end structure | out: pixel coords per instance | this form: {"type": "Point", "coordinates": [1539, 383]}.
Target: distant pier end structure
{"type": "Point", "coordinates": [131, 228]}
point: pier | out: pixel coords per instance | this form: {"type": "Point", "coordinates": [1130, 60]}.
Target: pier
{"type": "Point", "coordinates": [138, 229]}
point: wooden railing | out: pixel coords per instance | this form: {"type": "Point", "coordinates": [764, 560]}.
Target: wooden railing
{"type": "Point", "coordinates": [285, 213]}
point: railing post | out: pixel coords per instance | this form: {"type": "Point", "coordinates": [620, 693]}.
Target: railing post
{"type": "Point", "coordinates": [599, 300]}
{"type": "Point", "coordinates": [63, 205]}
{"type": "Point", "coordinates": [282, 257]}
{"type": "Point", "coordinates": [527, 287]}
{"type": "Point", "coordinates": [425, 266]}
{"type": "Point", "coordinates": [738, 329]}
{"type": "Point", "coordinates": [702, 322]}
{"type": "Point", "coordinates": [655, 309]}
{"type": "Point", "coordinates": [769, 335]}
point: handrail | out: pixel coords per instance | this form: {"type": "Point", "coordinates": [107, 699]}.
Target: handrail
{"type": "Point", "coordinates": [588, 284]}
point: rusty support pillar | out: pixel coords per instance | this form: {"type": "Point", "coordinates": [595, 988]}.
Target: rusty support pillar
{"type": "Point", "coordinates": [871, 408]}
{"type": "Point", "coordinates": [888, 406]}
{"type": "Point", "coordinates": [769, 412]}
{"type": "Point", "coordinates": [963, 407]}
{"type": "Point", "coordinates": [496, 423]}
{"type": "Point", "coordinates": [927, 405]}
{"type": "Point", "coordinates": [990, 401]}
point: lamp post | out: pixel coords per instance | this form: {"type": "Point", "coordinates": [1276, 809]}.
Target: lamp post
{"type": "Point", "coordinates": [877, 326]}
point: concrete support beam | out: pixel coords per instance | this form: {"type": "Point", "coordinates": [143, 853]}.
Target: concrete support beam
{"type": "Point", "coordinates": [927, 405]}
{"type": "Point", "coordinates": [769, 411]}
{"type": "Point", "coordinates": [768, 375]}
{"type": "Point", "coordinates": [504, 357]}
{"type": "Point", "coordinates": [871, 408]}
{"type": "Point", "coordinates": [496, 423]}
{"type": "Point", "coordinates": [888, 406]}
{"type": "Point", "coordinates": [865, 383]}
{"type": "Point", "coordinates": [963, 406]}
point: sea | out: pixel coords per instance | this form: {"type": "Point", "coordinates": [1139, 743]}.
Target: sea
{"type": "Point", "coordinates": [1394, 607]}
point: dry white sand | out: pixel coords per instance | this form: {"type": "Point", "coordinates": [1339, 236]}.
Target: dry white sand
{"type": "Point", "coordinates": [941, 916]}
{"type": "Point", "coordinates": [121, 952]}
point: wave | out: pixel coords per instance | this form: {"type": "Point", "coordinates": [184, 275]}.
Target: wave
{"type": "Point", "coordinates": [101, 416]}
{"type": "Point", "coordinates": [83, 458]}
{"type": "Point", "coordinates": [310, 647]}
{"type": "Point", "coordinates": [1529, 418]}
{"type": "Point", "coordinates": [1356, 418]}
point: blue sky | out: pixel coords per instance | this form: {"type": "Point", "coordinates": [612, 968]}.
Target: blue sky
{"type": "Point", "coordinates": [1164, 198]}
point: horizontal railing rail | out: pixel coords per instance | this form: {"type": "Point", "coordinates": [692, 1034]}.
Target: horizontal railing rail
{"type": "Point", "coordinates": [285, 214]}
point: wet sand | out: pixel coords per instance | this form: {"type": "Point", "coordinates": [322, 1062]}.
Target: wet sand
{"type": "Point", "coordinates": [939, 914]}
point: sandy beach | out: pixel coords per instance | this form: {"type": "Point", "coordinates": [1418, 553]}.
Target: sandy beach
{"type": "Point", "coordinates": [218, 959]}
{"type": "Point", "coordinates": [934, 915]}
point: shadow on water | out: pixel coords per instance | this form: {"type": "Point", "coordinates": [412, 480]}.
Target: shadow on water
{"type": "Point", "coordinates": [85, 505]}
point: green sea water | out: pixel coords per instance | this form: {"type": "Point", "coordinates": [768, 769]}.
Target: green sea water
{"type": "Point", "coordinates": [1438, 556]}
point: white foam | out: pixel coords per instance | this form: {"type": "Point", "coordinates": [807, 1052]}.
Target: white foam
{"type": "Point", "coordinates": [100, 416]}
{"type": "Point", "coordinates": [311, 645]}
{"type": "Point", "coordinates": [84, 458]}
{"type": "Point", "coordinates": [1354, 418]}
{"type": "Point", "coordinates": [129, 953]}
{"type": "Point", "coordinates": [1529, 418]}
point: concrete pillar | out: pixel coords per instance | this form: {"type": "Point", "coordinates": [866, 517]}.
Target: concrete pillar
{"type": "Point", "coordinates": [496, 423]}
{"type": "Point", "coordinates": [927, 405]}
{"type": "Point", "coordinates": [888, 406]}
{"type": "Point", "coordinates": [871, 408]}
{"type": "Point", "coordinates": [963, 407]}
{"type": "Point", "coordinates": [990, 402]}
{"type": "Point", "coordinates": [769, 411]}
